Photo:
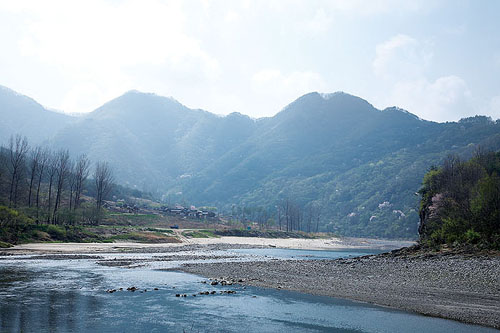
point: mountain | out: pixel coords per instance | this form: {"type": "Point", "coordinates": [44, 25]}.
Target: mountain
{"type": "Point", "coordinates": [23, 115]}
{"type": "Point", "coordinates": [361, 165]}
{"type": "Point", "coordinates": [154, 140]}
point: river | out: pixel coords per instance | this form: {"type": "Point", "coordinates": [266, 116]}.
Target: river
{"type": "Point", "coordinates": [69, 295]}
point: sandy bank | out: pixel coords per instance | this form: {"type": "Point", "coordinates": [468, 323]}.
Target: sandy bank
{"type": "Point", "coordinates": [292, 243]}
{"type": "Point", "coordinates": [307, 244]}
{"type": "Point", "coordinates": [83, 247]}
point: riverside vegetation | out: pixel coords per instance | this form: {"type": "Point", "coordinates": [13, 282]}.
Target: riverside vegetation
{"type": "Point", "coordinates": [461, 202]}
{"type": "Point", "coordinates": [45, 196]}
{"type": "Point", "coordinates": [42, 194]}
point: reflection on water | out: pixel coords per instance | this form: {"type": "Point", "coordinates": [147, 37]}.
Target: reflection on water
{"type": "Point", "coordinates": [39, 300]}
{"type": "Point", "coordinates": [69, 296]}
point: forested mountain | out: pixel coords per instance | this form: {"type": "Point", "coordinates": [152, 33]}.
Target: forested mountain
{"type": "Point", "coordinates": [356, 167]}
{"type": "Point", "coordinates": [22, 114]}
{"type": "Point", "coordinates": [154, 140]}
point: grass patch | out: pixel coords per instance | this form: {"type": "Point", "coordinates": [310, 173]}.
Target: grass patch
{"type": "Point", "coordinates": [165, 231]}
{"type": "Point", "coordinates": [4, 245]}
{"type": "Point", "coordinates": [146, 237]}
{"type": "Point", "coordinates": [129, 219]}
{"type": "Point", "coordinates": [202, 233]}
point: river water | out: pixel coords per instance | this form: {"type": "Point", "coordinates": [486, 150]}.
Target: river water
{"type": "Point", "coordinates": [69, 295]}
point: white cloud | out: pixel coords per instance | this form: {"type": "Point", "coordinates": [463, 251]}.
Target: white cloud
{"type": "Point", "coordinates": [377, 7]}
{"type": "Point", "coordinates": [401, 63]}
{"type": "Point", "coordinates": [76, 55]}
{"type": "Point", "coordinates": [319, 23]}
{"type": "Point", "coordinates": [447, 98]}
{"type": "Point", "coordinates": [400, 57]}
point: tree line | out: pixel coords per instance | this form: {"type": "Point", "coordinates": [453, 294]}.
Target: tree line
{"type": "Point", "coordinates": [461, 202]}
{"type": "Point", "coordinates": [48, 185]}
{"type": "Point", "coordinates": [287, 215]}
{"type": "Point", "coordinates": [291, 216]}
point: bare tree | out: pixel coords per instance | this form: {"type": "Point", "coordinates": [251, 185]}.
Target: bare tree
{"type": "Point", "coordinates": [318, 210]}
{"type": "Point", "coordinates": [62, 170]}
{"type": "Point", "coordinates": [284, 207]}
{"type": "Point", "coordinates": [18, 147]}
{"type": "Point", "coordinates": [34, 163]}
{"type": "Point", "coordinates": [42, 165]}
{"type": "Point", "coordinates": [72, 184]}
{"type": "Point", "coordinates": [313, 216]}
{"type": "Point", "coordinates": [309, 217]}
{"type": "Point", "coordinates": [3, 162]}
{"type": "Point", "coordinates": [295, 214]}
{"type": "Point", "coordinates": [51, 172]}
{"type": "Point", "coordinates": [300, 216]}
{"type": "Point", "coordinates": [278, 207]}
{"type": "Point", "coordinates": [81, 173]}
{"type": "Point", "coordinates": [103, 179]}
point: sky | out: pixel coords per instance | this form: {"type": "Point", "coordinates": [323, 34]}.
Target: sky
{"type": "Point", "coordinates": [438, 59]}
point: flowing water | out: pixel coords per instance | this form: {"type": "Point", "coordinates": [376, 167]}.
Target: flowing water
{"type": "Point", "coordinates": [69, 295]}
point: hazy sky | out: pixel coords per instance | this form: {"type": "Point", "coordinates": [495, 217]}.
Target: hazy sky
{"type": "Point", "coordinates": [437, 59]}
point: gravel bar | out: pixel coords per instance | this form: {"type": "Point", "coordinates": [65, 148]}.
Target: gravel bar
{"type": "Point", "coordinates": [458, 287]}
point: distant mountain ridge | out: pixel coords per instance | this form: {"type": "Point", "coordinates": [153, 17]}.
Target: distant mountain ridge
{"type": "Point", "coordinates": [22, 114]}
{"type": "Point", "coordinates": [362, 165]}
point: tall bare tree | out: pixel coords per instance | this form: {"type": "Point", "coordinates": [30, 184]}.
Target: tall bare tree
{"type": "Point", "coordinates": [72, 184]}
{"type": "Point", "coordinates": [103, 179]}
{"type": "Point", "coordinates": [18, 147]}
{"type": "Point", "coordinates": [51, 173]}
{"type": "Point", "coordinates": [42, 166]}
{"type": "Point", "coordinates": [313, 216]}
{"type": "Point", "coordinates": [81, 171]}
{"type": "Point", "coordinates": [34, 162]}
{"type": "Point", "coordinates": [284, 208]}
{"type": "Point", "coordinates": [309, 217]}
{"type": "Point", "coordinates": [3, 163]}
{"type": "Point", "coordinates": [62, 171]}
{"type": "Point", "coordinates": [278, 207]}
{"type": "Point", "coordinates": [318, 211]}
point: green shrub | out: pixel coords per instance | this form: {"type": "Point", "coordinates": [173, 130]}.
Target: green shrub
{"type": "Point", "coordinates": [4, 245]}
{"type": "Point", "coordinates": [56, 232]}
{"type": "Point", "coordinates": [13, 225]}
{"type": "Point", "coordinates": [472, 237]}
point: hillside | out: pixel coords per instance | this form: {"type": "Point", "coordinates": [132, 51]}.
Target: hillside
{"type": "Point", "coordinates": [153, 140]}
{"type": "Point", "coordinates": [22, 114]}
{"type": "Point", "coordinates": [362, 166]}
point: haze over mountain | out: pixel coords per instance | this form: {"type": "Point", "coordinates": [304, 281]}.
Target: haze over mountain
{"type": "Point", "coordinates": [360, 164]}
{"type": "Point", "coordinates": [22, 114]}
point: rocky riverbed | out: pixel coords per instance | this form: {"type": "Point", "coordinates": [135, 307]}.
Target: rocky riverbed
{"type": "Point", "coordinates": [460, 286]}
{"type": "Point", "coordinates": [456, 286]}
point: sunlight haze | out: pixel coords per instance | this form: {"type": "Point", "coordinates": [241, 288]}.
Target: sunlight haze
{"type": "Point", "coordinates": [437, 59]}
